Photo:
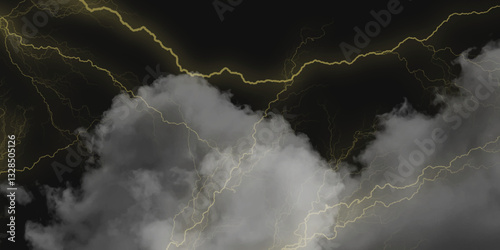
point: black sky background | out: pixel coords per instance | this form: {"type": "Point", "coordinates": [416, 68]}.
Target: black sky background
{"type": "Point", "coordinates": [256, 38]}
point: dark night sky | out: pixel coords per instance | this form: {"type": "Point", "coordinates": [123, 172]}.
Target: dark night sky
{"type": "Point", "coordinates": [257, 38]}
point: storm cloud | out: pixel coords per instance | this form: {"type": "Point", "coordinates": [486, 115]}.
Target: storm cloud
{"type": "Point", "coordinates": [443, 170]}
{"type": "Point", "coordinates": [181, 167]}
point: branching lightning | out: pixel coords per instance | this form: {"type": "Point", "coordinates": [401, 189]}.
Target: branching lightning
{"type": "Point", "coordinates": [194, 216]}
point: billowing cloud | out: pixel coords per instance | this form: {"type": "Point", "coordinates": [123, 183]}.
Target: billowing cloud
{"type": "Point", "coordinates": [183, 168]}
{"type": "Point", "coordinates": [444, 170]}
{"type": "Point", "coordinates": [186, 169]}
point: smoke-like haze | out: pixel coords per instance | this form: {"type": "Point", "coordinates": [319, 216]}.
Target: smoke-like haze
{"type": "Point", "coordinates": [191, 170]}
{"type": "Point", "coordinates": [197, 159]}
{"type": "Point", "coordinates": [449, 163]}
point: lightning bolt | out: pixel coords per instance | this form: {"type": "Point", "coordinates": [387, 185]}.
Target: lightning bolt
{"type": "Point", "coordinates": [354, 207]}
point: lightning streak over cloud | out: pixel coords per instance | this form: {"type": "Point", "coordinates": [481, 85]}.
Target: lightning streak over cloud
{"type": "Point", "coordinates": [158, 187]}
